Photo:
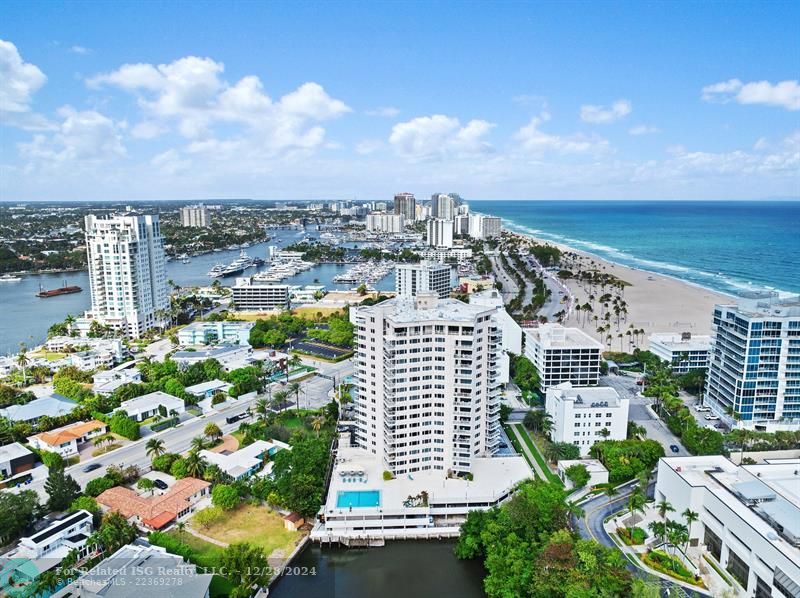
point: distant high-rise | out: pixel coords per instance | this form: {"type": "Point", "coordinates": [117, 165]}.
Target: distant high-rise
{"type": "Point", "coordinates": [442, 206]}
{"type": "Point", "coordinates": [195, 216]}
{"type": "Point", "coordinates": [754, 370]}
{"type": "Point", "coordinates": [440, 233]}
{"type": "Point", "coordinates": [127, 272]}
{"type": "Point", "coordinates": [379, 222]}
{"type": "Point", "coordinates": [406, 204]}
{"type": "Point", "coordinates": [424, 277]}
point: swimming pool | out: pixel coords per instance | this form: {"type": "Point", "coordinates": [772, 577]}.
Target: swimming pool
{"type": "Point", "coordinates": [358, 498]}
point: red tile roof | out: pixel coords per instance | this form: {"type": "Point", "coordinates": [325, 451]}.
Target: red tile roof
{"type": "Point", "coordinates": [153, 508]}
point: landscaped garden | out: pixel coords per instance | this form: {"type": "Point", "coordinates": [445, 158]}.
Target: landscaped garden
{"type": "Point", "coordinates": [670, 565]}
{"type": "Point", "coordinates": [632, 536]}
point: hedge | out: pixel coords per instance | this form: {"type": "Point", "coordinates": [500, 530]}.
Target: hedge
{"type": "Point", "coordinates": [164, 424]}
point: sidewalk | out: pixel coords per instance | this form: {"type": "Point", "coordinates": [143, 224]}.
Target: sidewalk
{"type": "Point", "coordinates": [537, 468]}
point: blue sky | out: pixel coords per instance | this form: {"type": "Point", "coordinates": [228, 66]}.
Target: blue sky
{"type": "Point", "coordinates": [336, 100]}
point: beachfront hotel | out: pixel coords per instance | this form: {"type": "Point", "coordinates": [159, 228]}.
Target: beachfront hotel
{"type": "Point", "coordinates": [127, 272]}
{"type": "Point", "coordinates": [424, 277]}
{"type": "Point", "coordinates": [683, 351]}
{"type": "Point", "coordinates": [563, 354]}
{"type": "Point", "coordinates": [749, 523]}
{"type": "Point", "coordinates": [754, 371]}
{"type": "Point", "coordinates": [583, 416]}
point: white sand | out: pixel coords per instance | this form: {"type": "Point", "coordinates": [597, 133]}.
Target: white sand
{"type": "Point", "coordinates": [656, 303]}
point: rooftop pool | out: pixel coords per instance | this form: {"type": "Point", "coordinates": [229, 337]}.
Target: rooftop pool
{"type": "Point", "coordinates": [358, 498]}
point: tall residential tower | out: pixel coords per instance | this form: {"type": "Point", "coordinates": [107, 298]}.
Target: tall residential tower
{"type": "Point", "coordinates": [127, 272]}
{"type": "Point", "coordinates": [427, 383]}
{"type": "Point", "coordinates": [406, 204]}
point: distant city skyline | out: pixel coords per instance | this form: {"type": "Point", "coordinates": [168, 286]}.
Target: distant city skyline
{"type": "Point", "coordinates": [138, 102]}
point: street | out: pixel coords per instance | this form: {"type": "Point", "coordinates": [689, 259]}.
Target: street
{"type": "Point", "coordinates": [314, 394]}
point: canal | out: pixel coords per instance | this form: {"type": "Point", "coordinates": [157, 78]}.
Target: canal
{"type": "Point", "coordinates": [411, 569]}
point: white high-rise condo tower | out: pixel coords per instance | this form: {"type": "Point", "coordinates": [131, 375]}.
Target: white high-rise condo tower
{"type": "Point", "coordinates": [754, 371]}
{"type": "Point", "coordinates": [440, 233]}
{"type": "Point", "coordinates": [563, 355]}
{"type": "Point", "coordinates": [427, 383]}
{"type": "Point", "coordinates": [195, 216]}
{"type": "Point", "coordinates": [426, 276]}
{"type": "Point", "coordinates": [127, 272]}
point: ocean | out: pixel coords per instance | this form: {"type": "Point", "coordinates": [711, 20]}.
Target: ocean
{"type": "Point", "coordinates": [731, 247]}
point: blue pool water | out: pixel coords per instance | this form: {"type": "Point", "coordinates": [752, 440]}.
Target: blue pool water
{"type": "Point", "coordinates": [358, 498]}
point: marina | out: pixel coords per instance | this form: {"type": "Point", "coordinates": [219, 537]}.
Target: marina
{"type": "Point", "coordinates": [366, 272]}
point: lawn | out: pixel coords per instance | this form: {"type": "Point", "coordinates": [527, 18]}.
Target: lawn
{"type": "Point", "coordinates": [256, 525]}
{"type": "Point", "coordinates": [48, 355]}
{"type": "Point", "coordinates": [537, 454]}
{"type": "Point", "coordinates": [207, 555]}
{"type": "Point", "coordinates": [515, 443]}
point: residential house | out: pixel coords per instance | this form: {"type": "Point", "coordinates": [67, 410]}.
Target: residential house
{"type": "Point", "coordinates": [66, 440]}
{"type": "Point", "coordinates": [146, 406]}
{"type": "Point", "coordinates": [14, 459]}
{"type": "Point", "coordinates": [53, 405]}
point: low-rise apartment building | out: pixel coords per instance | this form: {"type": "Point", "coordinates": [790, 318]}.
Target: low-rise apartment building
{"type": "Point", "coordinates": [252, 294]}
{"type": "Point", "coordinates": [212, 333]}
{"type": "Point", "coordinates": [563, 354]}
{"type": "Point", "coordinates": [683, 351]}
{"type": "Point", "coordinates": [585, 415]}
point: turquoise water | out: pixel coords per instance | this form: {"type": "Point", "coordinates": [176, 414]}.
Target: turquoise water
{"type": "Point", "coordinates": [726, 246]}
{"type": "Point", "coordinates": [358, 498]}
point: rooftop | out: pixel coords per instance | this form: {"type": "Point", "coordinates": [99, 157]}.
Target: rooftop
{"type": "Point", "coordinates": [555, 336]}
{"type": "Point", "coordinates": [12, 451]}
{"type": "Point", "coordinates": [766, 304]}
{"type": "Point", "coordinates": [682, 342]}
{"type": "Point", "coordinates": [204, 387]}
{"type": "Point", "coordinates": [60, 525]}
{"type": "Point", "coordinates": [120, 576]}
{"type": "Point", "coordinates": [219, 324]}
{"type": "Point", "coordinates": [148, 401]}
{"type": "Point", "coordinates": [585, 396]}
{"type": "Point", "coordinates": [52, 405]}
{"type": "Point", "coordinates": [69, 432]}
{"type": "Point", "coordinates": [766, 496]}
{"type": "Point", "coordinates": [591, 465]}
{"type": "Point", "coordinates": [151, 509]}
{"type": "Point", "coordinates": [243, 460]}
{"type": "Point", "coordinates": [211, 353]}
{"type": "Point", "coordinates": [423, 308]}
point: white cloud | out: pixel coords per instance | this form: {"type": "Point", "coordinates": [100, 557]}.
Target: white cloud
{"type": "Point", "coordinates": [79, 50]}
{"type": "Point", "coordinates": [368, 146]}
{"type": "Point", "coordinates": [19, 80]}
{"type": "Point", "coordinates": [192, 94]}
{"type": "Point", "coordinates": [534, 141]}
{"type": "Point", "coordinates": [82, 136]}
{"type": "Point", "coordinates": [785, 94]}
{"type": "Point", "coordinates": [170, 162]}
{"type": "Point", "coordinates": [148, 129]}
{"type": "Point", "coordinates": [643, 130]}
{"type": "Point", "coordinates": [604, 114]}
{"type": "Point", "coordinates": [385, 111]}
{"type": "Point", "coordinates": [439, 136]}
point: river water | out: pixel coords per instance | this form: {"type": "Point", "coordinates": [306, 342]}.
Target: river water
{"type": "Point", "coordinates": [410, 569]}
{"type": "Point", "coordinates": [25, 318]}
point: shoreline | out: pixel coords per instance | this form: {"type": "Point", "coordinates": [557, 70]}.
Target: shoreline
{"type": "Point", "coordinates": [656, 302]}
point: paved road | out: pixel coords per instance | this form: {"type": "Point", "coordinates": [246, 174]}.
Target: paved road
{"type": "Point", "coordinates": [178, 439]}
{"type": "Point", "coordinates": [510, 288]}
{"type": "Point", "coordinates": [591, 526]}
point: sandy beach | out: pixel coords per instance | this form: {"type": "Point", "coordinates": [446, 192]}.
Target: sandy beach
{"type": "Point", "coordinates": [656, 303]}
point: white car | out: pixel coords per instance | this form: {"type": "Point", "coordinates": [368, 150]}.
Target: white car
{"type": "Point", "coordinates": [701, 409]}
{"type": "Point", "coordinates": [711, 417]}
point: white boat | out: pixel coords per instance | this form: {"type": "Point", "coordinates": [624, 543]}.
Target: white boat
{"type": "Point", "coordinates": [9, 278]}
{"type": "Point", "coordinates": [216, 271]}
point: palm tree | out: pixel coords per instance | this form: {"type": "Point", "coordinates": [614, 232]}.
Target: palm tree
{"type": "Point", "coordinates": [690, 517]}
{"type": "Point", "coordinates": [22, 361]}
{"type": "Point", "coordinates": [605, 433]}
{"type": "Point", "coordinates": [198, 443]}
{"type": "Point", "coordinates": [659, 529]}
{"type": "Point", "coordinates": [195, 464]}
{"type": "Point", "coordinates": [262, 409]}
{"type": "Point", "coordinates": [664, 507]}
{"type": "Point", "coordinates": [155, 447]}
{"type": "Point", "coordinates": [69, 321]}
{"type": "Point", "coordinates": [316, 424]}
{"type": "Point", "coordinates": [212, 431]}
{"type": "Point", "coordinates": [279, 397]}
{"type": "Point", "coordinates": [636, 502]}
{"type": "Point", "coordinates": [294, 388]}
{"type": "Point", "coordinates": [180, 527]}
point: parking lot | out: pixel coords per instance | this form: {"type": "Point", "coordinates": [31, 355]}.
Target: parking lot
{"type": "Point", "coordinates": [324, 350]}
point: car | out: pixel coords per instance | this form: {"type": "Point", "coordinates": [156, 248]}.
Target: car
{"type": "Point", "coordinates": [701, 409]}
{"type": "Point", "coordinates": [711, 417]}
{"type": "Point", "coordinates": [674, 448]}
{"type": "Point", "coordinates": [160, 484]}
{"type": "Point", "coordinates": [91, 467]}
{"type": "Point", "coordinates": [639, 382]}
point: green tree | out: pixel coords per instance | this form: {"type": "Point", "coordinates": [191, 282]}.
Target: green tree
{"type": "Point", "coordinates": [99, 485]}
{"type": "Point", "coordinates": [245, 565]}
{"type": "Point", "coordinates": [61, 489]}
{"type": "Point", "coordinates": [18, 512]}
{"type": "Point", "coordinates": [155, 448]}
{"type": "Point", "coordinates": [577, 474]}
{"type": "Point", "coordinates": [224, 496]}
{"type": "Point", "coordinates": [114, 533]}
{"type": "Point", "coordinates": [145, 484]}
{"type": "Point", "coordinates": [212, 431]}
